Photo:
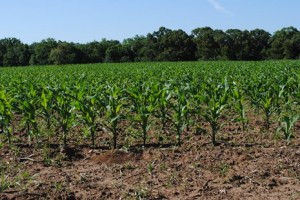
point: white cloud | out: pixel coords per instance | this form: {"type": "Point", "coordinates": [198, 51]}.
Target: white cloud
{"type": "Point", "coordinates": [217, 5]}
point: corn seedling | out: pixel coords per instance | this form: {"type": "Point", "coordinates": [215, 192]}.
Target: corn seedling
{"type": "Point", "coordinates": [143, 99]}
{"type": "Point", "coordinates": [287, 124]}
{"type": "Point", "coordinates": [6, 114]}
{"type": "Point", "coordinates": [113, 102]}
{"type": "Point", "coordinates": [215, 98]}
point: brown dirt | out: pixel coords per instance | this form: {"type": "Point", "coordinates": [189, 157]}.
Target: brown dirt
{"type": "Point", "coordinates": [245, 165]}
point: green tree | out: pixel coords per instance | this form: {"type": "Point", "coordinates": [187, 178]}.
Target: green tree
{"type": "Point", "coordinates": [136, 47]}
{"type": "Point", "coordinates": [153, 47]}
{"type": "Point", "coordinates": [284, 44]}
{"type": "Point", "coordinates": [207, 46]}
{"type": "Point", "coordinates": [13, 52]}
{"type": "Point", "coordinates": [64, 53]}
{"type": "Point", "coordinates": [150, 50]}
{"type": "Point", "coordinates": [113, 54]}
{"type": "Point", "coordinates": [95, 52]}
{"type": "Point", "coordinates": [176, 45]}
{"type": "Point", "coordinates": [41, 52]}
{"type": "Point", "coordinates": [292, 47]}
{"type": "Point", "coordinates": [92, 52]}
{"type": "Point", "coordinates": [259, 44]}
{"type": "Point", "coordinates": [168, 45]}
{"type": "Point", "coordinates": [221, 39]}
{"type": "Point", "coordinates": [238, 44]}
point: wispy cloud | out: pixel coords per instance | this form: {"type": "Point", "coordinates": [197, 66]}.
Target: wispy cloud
{"type": "Point", "coordinates": [217, 5]}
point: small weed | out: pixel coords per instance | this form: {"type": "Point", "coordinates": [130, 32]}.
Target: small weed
{"type": "Point", "coordinates": [141, 193]}
{"type": "Point", "coordinates": [23, 179]}
{"type": "Point", "coordinates": [4, 182]}
{"type": "Point", "coordinates": [25, 175]}
{"type": "Point", "coordinates": [46, 156]}
{"type": "Point", "coordinates": [16, 151]}
{"type": "Point", "coordinates": [163, 167]}
{"type": "Point", "coordinates": [172, 180]}
{"type": "Point", "coordinates": [223, 169]}
{"type": "Point", "coordinates": [59, 159]}
{"type": "Point", "coordinates": [58, 187]}
{"type": "Point", "coordinates": [150, 168]}
{"type": "Point", "coordinates": [129, 166]}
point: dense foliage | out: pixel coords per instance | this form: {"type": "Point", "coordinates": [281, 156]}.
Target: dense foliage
{"type": "Point", "coordinates": [162, 45]}
{"type": "Point", "coordinates": [165, 98]}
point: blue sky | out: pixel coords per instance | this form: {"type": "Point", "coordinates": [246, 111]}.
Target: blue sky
{"type": "Point", "coordinates": [87, 20]}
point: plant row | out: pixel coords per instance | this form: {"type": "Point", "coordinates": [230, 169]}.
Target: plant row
{"type": "Point", "coordinates": [173, 96]}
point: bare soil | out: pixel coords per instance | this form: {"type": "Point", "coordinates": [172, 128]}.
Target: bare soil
{"type": "Point", "coordinates": [249, 164]}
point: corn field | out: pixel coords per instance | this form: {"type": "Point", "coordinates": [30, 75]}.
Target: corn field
{"type": "Point", "coordinates": [58, 103]}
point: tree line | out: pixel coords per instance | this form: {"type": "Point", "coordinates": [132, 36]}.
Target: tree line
{"type": "Point", "coordinates": [162, 45]}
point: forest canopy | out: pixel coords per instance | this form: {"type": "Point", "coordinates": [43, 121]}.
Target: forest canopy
{"type": "Point", "coordinates": [162, 45]}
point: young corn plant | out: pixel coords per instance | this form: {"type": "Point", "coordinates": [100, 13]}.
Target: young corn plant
{"type": "Point", "coordinates": [113, 102]}
{"type": "Point", "coordinates": [253, 93]}
{"type": "Point", "coordinates": [280, 96]}
{"type": "Point", "coordinates": [143, 98]}
{"type": "Point", "coordinates": [190, 87]}
{"type": "Point", "coordinates": [163, 102]}
{"type": "Point", "coordinates": [6, 114]}
{"type": "Point", "coordinates": [238, 105]}
{"type": "Point", "coordinates": [215, 98]}
{"type": "Point", "coordinates": [180, 111]}
{"type": "Point", "coordinates": [46, 104]}
{"type": "Point", "coordinates": [287, 124]}
{"type": "Point", "coordinates": [87, 105]}
{"type": "Point", "coordinates": [263, 97]}
{"type": "Point", "coordinates": [28, 105]}
{"type": "Point", "coordinates": [267, 105]}
{"type": "Point", "coordinates": [63, 106]}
